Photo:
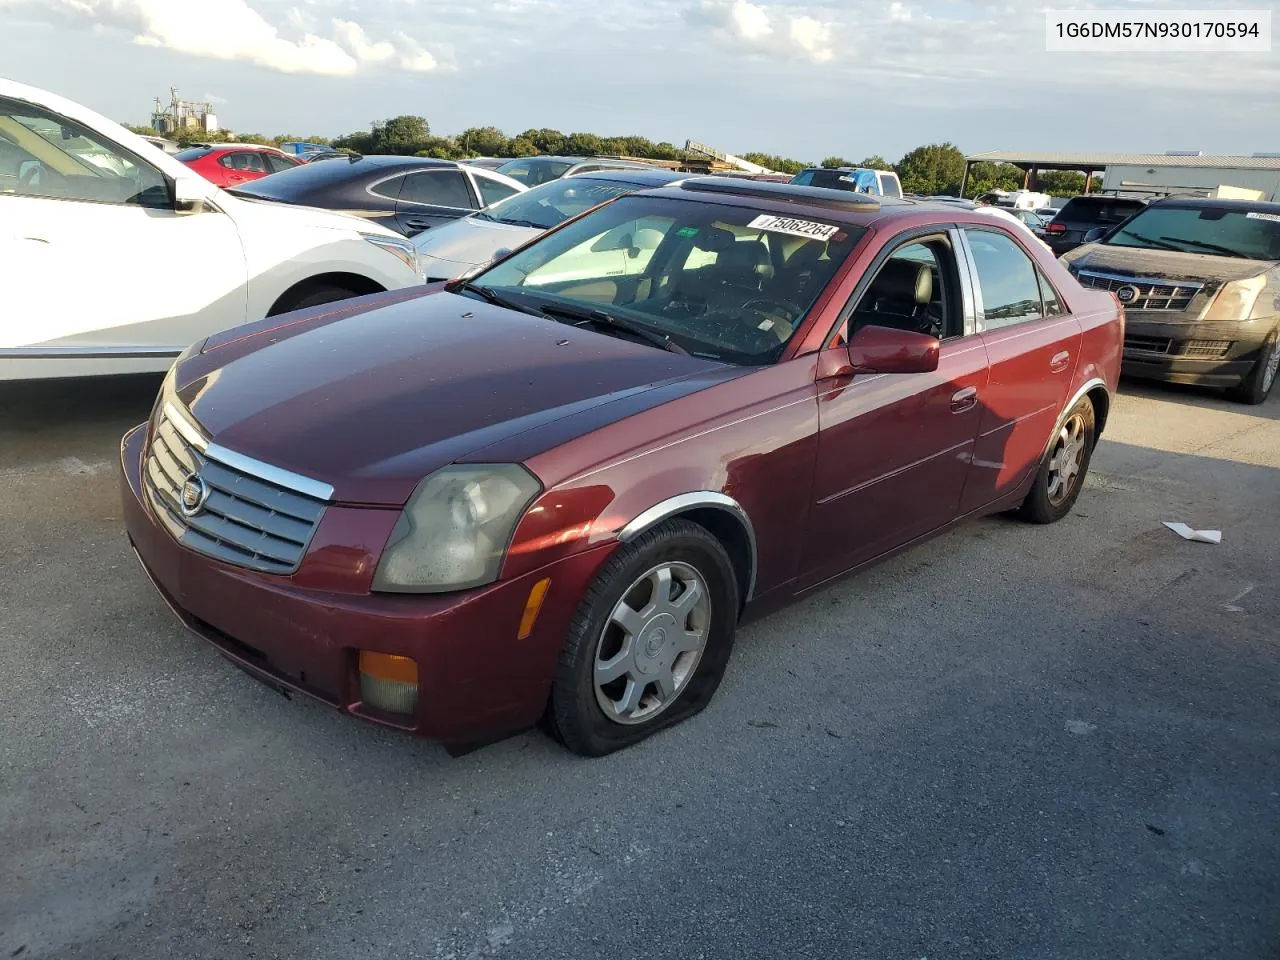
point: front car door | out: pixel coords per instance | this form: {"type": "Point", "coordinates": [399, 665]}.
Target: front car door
{"type": "Point", "coordinates": [894, 449]}
{"type": "Point", "coordinates": [432, 197]}
{"type": "Point", "coordinates": [102, 273]}
{"type": "Point", "coordinates": [1033, 346]}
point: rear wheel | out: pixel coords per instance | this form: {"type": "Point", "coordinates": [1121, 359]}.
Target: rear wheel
{"type": "Point", "coordinates": [1257, 385]}
{"type": "Point", "coordinates": [1061, 475]}
{"type": "Point", "coordinates": [649, 643]}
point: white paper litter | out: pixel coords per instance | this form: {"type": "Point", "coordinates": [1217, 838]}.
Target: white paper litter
{"type": "Point", "coordinates": [1199, 536]}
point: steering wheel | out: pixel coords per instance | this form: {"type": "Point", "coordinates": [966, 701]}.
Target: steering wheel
{"type": "Point", "coordinates": [789, 310]}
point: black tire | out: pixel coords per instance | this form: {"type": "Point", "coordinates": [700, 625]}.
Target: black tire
{"type": "Point", "coordinates": [575, 716]}
{"type": "Point", "coordinates": [311, 297]}
{"type": "Point", "coordinates": [1257, 385]}
{"type": "Point", "coordinates": [1046, 503]}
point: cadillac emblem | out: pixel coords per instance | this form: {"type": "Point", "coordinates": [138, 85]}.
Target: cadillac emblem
{"type": "Point", "coordinates": [192, 496]}
{"type": "Point", "coordinates": [1127, 294]}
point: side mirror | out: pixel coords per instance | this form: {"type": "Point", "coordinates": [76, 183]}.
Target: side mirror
{"type": "Point", "coordinates": [885, 350]}
{"type": "Point", "coordinates": [189, 195]}
{"type": "Point", "coordinates": [1096, 234]}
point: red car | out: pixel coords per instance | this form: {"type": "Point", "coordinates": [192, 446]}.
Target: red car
{"type": "Point", "coordinates": [554, 489]}
{"type": "Point", "coordinates": [228, 164]}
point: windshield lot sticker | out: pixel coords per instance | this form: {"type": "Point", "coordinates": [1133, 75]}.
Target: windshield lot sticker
{"type": "Point", "coordinates": [796, 228]}
{"type": "Point", "coordinates": [1273, 217]}
{"type": "Point", "coordinates": [687, 232]}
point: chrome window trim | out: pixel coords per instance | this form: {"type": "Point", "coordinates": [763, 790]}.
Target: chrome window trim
{"type": "Point", "coordinates": [684, 502]}
{"type": "Point", "coordinates": [970, 296]}
{"type": "Point", "coordinates": [238, 461]}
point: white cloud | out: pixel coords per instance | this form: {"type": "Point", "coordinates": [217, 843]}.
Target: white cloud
{"type": "Point", "coordinates": [352, 38]}
{"type": "Point", "coordinates": [752, 25]}
{"type": "Point", "coordinates": [214, 98]}
{"type": "Point", "coordinates": [232, 30]}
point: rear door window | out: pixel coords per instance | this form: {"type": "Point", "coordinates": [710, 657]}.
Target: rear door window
{"type": "Point", "coordinates": [388, 188]}
{"type": "Point", "coordinates": [437, 188]}
{"type": "Point", "coordinates": [277, 163]}
{"type": "Point", "coordinates": [1006, 278]}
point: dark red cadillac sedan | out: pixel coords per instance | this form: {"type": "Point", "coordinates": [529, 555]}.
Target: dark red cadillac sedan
{"type": "Point", "coordinates": [555, 488]}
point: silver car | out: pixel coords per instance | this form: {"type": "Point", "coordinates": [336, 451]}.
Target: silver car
{"type": "Point", "coordinates": [452, 249]}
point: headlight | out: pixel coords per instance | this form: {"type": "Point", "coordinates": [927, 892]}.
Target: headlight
{"type": "Point", "coordinates": [1236, 299]}
{"type": "Point", "coordinates": [454, 531]}
{"type": "Point", "coordinates": [401, 249]}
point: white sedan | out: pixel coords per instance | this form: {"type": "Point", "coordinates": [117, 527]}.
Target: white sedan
{"type": "Point", "coordinates": [115, 257]}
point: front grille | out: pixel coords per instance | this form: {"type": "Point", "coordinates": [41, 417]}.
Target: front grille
{"type": "Point", "coordinates": [1152, 294]}
{"type": "Point", "coordinates": [247, 520]}
{"type": "Point", "coordinates": [1189, 349]}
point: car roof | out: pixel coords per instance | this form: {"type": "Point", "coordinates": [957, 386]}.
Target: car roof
{"type": "Point", "coordinates": [235, 146]}
{"type": "Point", "coordinates": [787, 198]}
{"type": "Point", "coordinates": [395, 160]}
{"type": "Point", "coordinates": [1211, 203]}
{"type": "Point", "coordinates": [641, 175]}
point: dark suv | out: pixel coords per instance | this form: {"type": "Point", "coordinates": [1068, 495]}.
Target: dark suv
{"type": "Point", "coordinates": [1200, 283]}
{"type": "Point", "coordinates": [1079, 215]}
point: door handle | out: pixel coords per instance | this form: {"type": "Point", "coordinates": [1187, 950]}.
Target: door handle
{"type": "Point", "coordinates": [965, 399]}
{"type": "Point", "coordinates": [418, 224]}
{"type": "Point", "coordinates": [1058, 362]}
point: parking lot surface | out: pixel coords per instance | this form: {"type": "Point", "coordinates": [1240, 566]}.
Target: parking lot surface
{"type": "Point", "coordinates": [1014, 741]}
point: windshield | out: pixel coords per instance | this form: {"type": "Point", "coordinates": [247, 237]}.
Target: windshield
{"type": "Point", "coordinates": [532, 172]}
{"type": "Point", "coordinates": [555, 202]}
{"type": "Point", "coordinates": [1228, 232]}
{"type": "Point", "coordinates": [724, 282]}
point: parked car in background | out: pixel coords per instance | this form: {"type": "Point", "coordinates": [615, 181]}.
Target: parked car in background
{"type": "Point", "coordinates": [1200, 283]}
{"type": "Point", "coordinates": [1006, 214]}
{"type": "Point", "coordinates": [405, 194]}
{"type": "Point", "coordinates": [521, 496]}
{"type": "Point", "coordinates": [883, 183]}
{"type": "Point", "coordinates": [168, 146]}
{"type": "Point", "coordinates": [115, 264]}
{"type": "Point", "coordinates": [487, 163]}
{"type": "Point", "coordinates": [532, 171]}
{"type": "Point", "coordinates": [1079, 215]}
{"type": "Point", "coordinates": [305, 149]}
{"type": "Point", "coordinates": [455, 248]}
{"type": "Point", "coordinates": [1032, 218]}
{"type": "Point", "coordinates": [228, 164]}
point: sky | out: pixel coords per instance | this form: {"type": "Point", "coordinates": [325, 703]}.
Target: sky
{"type": "Point", "coordinates": [849, 78]}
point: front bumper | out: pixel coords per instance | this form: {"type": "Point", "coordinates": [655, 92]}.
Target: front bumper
{"type": "Point", "coordinates": [476, 680]}
{"type": "Point", "coordinates": [1216, 354]}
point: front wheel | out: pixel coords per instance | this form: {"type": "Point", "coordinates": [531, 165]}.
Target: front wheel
{"type": "Point", "coordinates": [1257, 385]}
{"type": "Point", "coordinates": [313, 297]}
{"type": "Point", "coordinates": [1062, 472]}
{"type": "Point", "coordinates": [649, 643]}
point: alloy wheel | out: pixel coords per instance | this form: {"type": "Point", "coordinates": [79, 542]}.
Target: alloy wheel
{"type": "Point", "coordinates": [1272, 361]}
{"type": "Point", "coordinates": [650, 646]}
{"type": "Point", "coordinates": [1066, 460]}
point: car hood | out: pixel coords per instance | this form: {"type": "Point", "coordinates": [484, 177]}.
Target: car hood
{"type": "Point", "coordinates": [471, 241]}
{"type": "Point", "coordinates": [296, 216]}
{"type": "Point", "coordinates": [1163, 264]}
{"type": "Point", "coordinates": [371, 399]}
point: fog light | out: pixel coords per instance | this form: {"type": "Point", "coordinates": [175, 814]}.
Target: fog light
{"type": "Point", "coordinates": [388, 682]}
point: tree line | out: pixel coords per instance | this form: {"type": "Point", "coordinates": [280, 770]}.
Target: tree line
{"type": "Point", "coordinates": [932, 170]}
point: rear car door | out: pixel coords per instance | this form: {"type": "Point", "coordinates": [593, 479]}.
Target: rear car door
{"type": "Point", "coordinates": [1032, 345]}
{"type": "Point", "coordinates": [432, 197]}
{"type": "Point", "coordinates": [894, 449]}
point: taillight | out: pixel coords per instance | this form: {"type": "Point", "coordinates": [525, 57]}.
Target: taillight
{"type": "Point", "coordinates": [1054, 228]}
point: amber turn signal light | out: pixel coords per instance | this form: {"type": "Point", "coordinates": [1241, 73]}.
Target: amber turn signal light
{"type": "Point", "coordinates": [532, 607]}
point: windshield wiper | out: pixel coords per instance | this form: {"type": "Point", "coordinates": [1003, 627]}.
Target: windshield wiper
{"type": "Point", "coordinates": [519, 223]}
{"type": "Point", "coordinates": [487, 294]}
{"type": "Point", "coordinates": [1216, 248]}
{"type": "Point", "coordinates": [1162, 243]}
{"type": "Point", "coordinates": [602, 319]}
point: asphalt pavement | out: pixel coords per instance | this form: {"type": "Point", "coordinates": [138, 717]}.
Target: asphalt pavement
{"type": "Point", "coordinates": [1012, 742]}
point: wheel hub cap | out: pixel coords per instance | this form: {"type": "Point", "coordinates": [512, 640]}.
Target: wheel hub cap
{"type": "Point", "coordinates": [652, 643]}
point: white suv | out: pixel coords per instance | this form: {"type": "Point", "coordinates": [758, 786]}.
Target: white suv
{"type": "Point", "coordinates": [114, 257]}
